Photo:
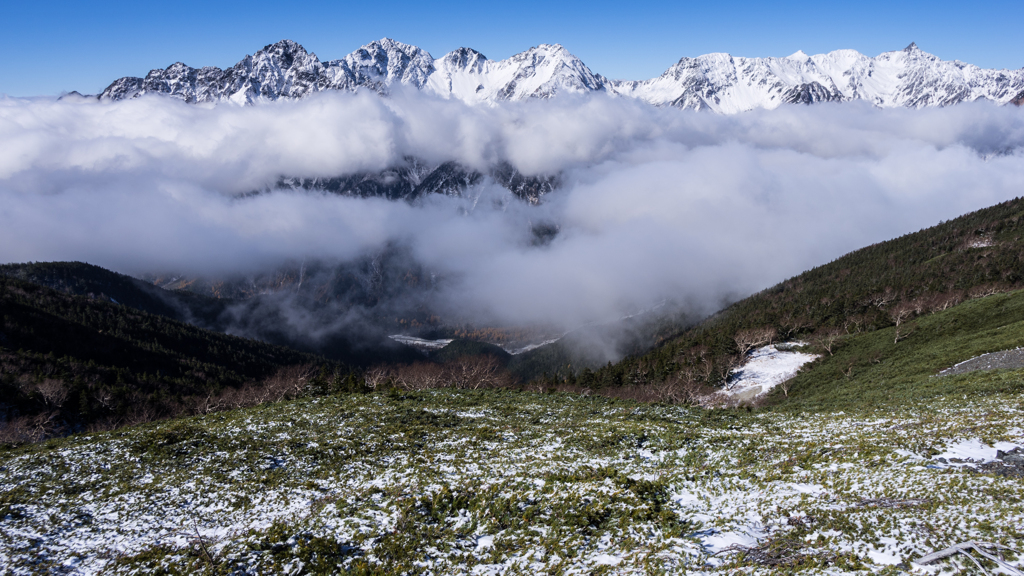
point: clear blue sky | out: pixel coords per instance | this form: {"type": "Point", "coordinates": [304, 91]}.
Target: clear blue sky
{"type": "Point", "coordinates": [49, 47]}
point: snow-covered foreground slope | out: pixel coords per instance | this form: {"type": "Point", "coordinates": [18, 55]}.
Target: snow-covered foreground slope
{"type": "Point", "coordinates": [502, 482]}
{"type": "Point", "coordinates": [719, 82]}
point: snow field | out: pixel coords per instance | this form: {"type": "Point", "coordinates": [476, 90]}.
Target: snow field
{"type": "Point", "coordinates": [765, 368]}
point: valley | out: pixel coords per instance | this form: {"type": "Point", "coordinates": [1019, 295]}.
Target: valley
{"type": "Point", "coordinates": [865, 461]}
{"type": "Point", "coordinates": [392, 313]}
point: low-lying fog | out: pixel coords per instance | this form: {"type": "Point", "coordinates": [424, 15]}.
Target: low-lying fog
{"type": "Point", "coordinates": [655, 204]}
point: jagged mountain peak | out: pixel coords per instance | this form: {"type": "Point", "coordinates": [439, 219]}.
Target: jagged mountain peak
{"type": "Point", "coordinates": [912, 47]}
{"type": "Point", "coordinates": [285, 55]}
{"type": "Point", "coordinates": [390, 46]}
{"type": "Point", "coordinates": [550, 49]}
{"type": "Point", "coordinates": [383, 62]}
{"type": "Point", "coordinates": [283, 47]}
{"type": "Point", "coordinates": [552, 53]}
{"type": "Point", "coordinates": [464, 58]}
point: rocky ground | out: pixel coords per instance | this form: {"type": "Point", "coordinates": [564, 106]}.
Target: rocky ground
{"type": "Point", "coordinates": [1006, 359]}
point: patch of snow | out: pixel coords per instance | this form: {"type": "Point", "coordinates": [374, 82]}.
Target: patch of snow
{"type": "Point", "coordinates": [887, 556]}
{"type": "Point", "coordinates": [812, 489]}
{"type": "Point", "coordinates": [420, 342]}
{"type": "Point", "coordinates": [607, 559]}
{"type": "Point", "coordinates": [972, 451]}
{"type": "Point", "coordinates": [529, 347]}
{"type": "Point", "coordinates": [716, 541]}
{"type": "Point", "coordinates": [766, 368]}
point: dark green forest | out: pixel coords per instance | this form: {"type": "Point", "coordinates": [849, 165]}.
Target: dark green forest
{"type": "Point", "coordinates": [70, 363]}
{"type": "Point", "coordinates": [98, 283]}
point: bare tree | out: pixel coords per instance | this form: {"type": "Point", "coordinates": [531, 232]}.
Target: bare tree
{"type": "Point", "coordinates": [420, 376]}
{"type": "Point", "coordinates": [686, 387]}
{"type": "Point", "coordinates": [855, 321]}
{"type": "Point", "coordinates": [290, 381]}
{"type": "Point", "coordinates": [984, 290]}
{"type": "Point", "coordinates": [948, 300]}
{"type": "Point", "coordinates": [53, 391]}
{"type": "Point", "coordinates": [475, 372]}
{"type": "Point", "coordinates": [707, 369]}
{"type": "Point", "coordinates": [747, 340]}
{"type": "Point", "coordinates": [883, 299]}
{"type": "Point", "coordinates": [377, 376]}
{"type": "Point", "coordinates": [827, 338]}
{"type": "Point", "coordinates": [45, 425]}
{"type": "Point", "coordinates": [786, 385]}
{"type": "Point", "coordinates": [209, 404]}
{"type": "Point", "coordinates": [727, 365]}
{"type": "Point", "coordinates": [899, 314]}
{"type": "Point", "coordinates": [791, 324]}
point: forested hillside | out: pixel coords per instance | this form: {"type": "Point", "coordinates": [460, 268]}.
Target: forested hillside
{"type": "Point", "coordinates": [84, 279]}
{"type": "Point", "coordinates": [884, 285]}
{"type": "Point", "coordinates": [249, 314]}
{"type": "Point", "coordinates": [72, 362]}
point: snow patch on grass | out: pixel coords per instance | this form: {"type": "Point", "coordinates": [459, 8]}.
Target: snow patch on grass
{"type": "Point", "coordinates": [765, 368]}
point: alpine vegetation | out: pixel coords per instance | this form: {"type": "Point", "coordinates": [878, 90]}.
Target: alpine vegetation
{"type": "Point", "coordinates": [447, 482]}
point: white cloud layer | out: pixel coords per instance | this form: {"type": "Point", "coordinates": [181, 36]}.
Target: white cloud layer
{"type": "Point", "coordinates": [655, 203]}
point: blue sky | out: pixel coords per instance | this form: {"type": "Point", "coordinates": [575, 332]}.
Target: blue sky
{"type": "Point", "coordinates": [49, 47]}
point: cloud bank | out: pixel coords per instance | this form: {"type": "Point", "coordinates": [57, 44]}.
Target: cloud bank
{"type": "Point", "coordinates": [655, 203]}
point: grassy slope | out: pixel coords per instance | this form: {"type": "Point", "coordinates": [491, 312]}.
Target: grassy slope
{"type": "Point", "coordinates": [868, 369]}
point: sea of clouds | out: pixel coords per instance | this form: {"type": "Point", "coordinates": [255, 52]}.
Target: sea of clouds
{"type": "Point", "coordinates": [655, 203]}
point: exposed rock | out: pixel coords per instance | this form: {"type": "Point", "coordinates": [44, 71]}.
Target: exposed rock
{"type": "Point", "coordinates": [1009, 463]}
{"type": "Point", "coordinates": [1004, 360]}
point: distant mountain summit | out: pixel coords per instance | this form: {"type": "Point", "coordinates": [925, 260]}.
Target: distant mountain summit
{"type": "Point", "coordinates": [719, 82]}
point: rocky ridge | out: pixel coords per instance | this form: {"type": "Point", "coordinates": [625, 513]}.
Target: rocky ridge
{"type": "Point", "coordinates": [717, 82]}
{"type": "Point", "coordinates": [412, 178]}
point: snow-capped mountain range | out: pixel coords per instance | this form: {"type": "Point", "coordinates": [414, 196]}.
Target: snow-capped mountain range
{"type": "Point", "coordinates": [718, 82]}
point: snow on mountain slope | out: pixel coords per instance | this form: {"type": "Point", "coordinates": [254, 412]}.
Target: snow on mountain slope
{"type": "Point", "coordinates": [718, 82]}
{"type": "Point", "coordinates": [539, 72]}
{"type": "Point", "coordinates": [380, 64]}
{"type": "Point", "coordinates": [909, 77]}
{"type": "Point", "coordinates": [284, 70]}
